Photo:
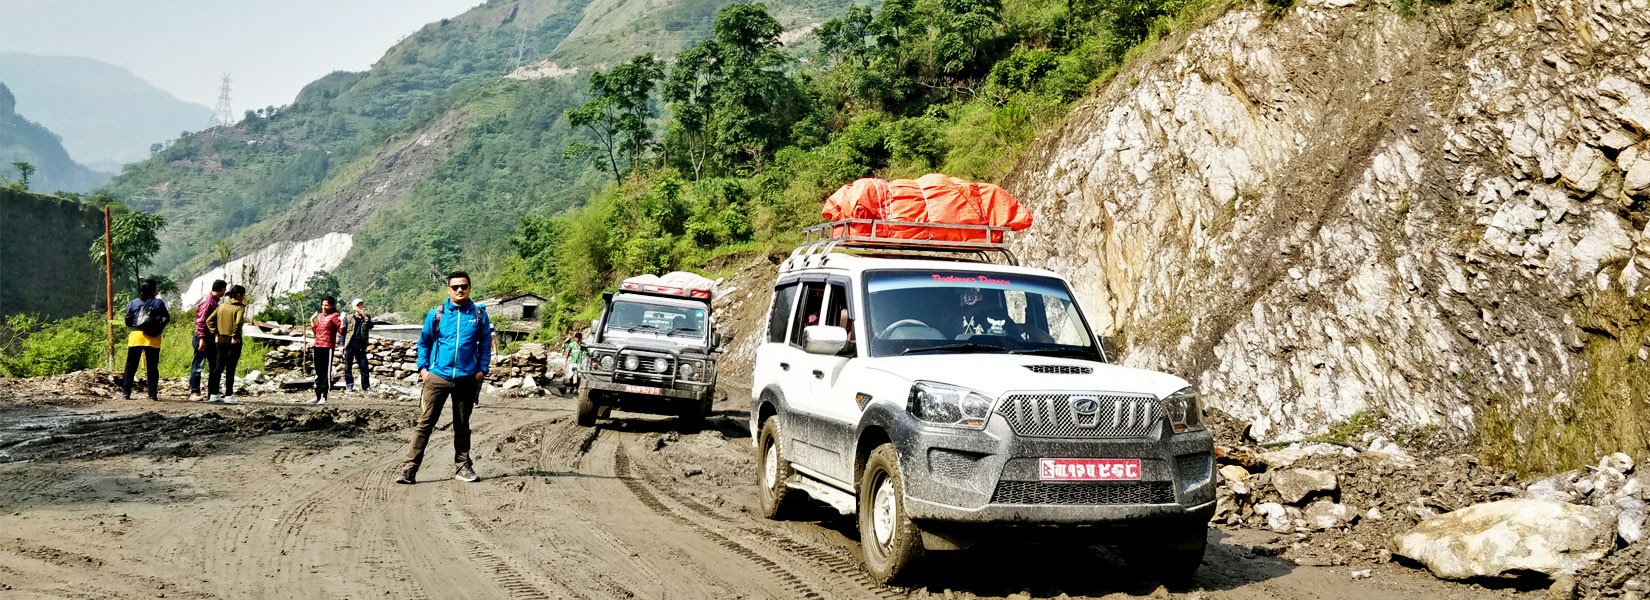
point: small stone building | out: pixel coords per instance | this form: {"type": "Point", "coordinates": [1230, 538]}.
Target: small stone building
{"type": "Point", "coordinates": [522, 311]}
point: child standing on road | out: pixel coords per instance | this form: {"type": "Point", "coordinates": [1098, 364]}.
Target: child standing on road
{"type": "Point", "coordinates": [327, 325]}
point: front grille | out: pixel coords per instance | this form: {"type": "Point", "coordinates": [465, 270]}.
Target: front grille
{"type": "Point", "coordinates": [953, 464]}
{"type": "Point", "coordinates": [645, 371]}
{"type": "Point", "coordinates": [1194, 468]}
{"type": "Point", "coordinates": [1060, 369]}
{"type": "Point", "coordinates": [1037, 492]}
{"type": "Point", "coordinates": [1057, 416]}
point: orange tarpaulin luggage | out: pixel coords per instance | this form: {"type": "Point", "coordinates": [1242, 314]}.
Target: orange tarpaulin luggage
{"type": "Point", "coordinates": [933, 198]}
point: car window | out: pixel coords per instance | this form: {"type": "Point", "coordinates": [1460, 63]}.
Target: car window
{"type": "Point", "coordinates": [810, 309]}
{"type": "Point", "coordinates": [956, 311]}
{"type": "Point", "coordinates": [780, 313]}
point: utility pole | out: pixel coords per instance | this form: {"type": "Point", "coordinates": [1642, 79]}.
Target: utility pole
{"type": "Point", "coordinates": [109, 286]}
{"type": "Point", "coordinates": [521, 46]}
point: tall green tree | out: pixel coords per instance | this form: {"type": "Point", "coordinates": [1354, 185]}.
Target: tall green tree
{"type": "Point", "coordinates": [134, 238]}
{"type": "Point", "coordinates": [617, 115]}
{"type": "Point", "coordinates": [731, 102]}
{"type": "Point", "coordinates": [24, 171]}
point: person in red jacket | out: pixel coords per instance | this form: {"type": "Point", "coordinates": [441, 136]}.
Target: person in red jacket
{"type": "Point", "coordinates": [327, 326]}
{"type": "Point", "coordinates": [206, 347]}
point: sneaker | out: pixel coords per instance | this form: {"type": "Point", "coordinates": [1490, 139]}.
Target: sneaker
{"type": "Point", "coordinates": [194, 397]}
{"type": "Point", "coordinates": [214, 399]}
{"type": "Point", "coordinates": [321, 401]}
{"type": "Point", "coordinates": [466, 473]}
{"type": "Point", "coordinates": [408, 475]}
{"type": "Point", "coordinates": [229, 400]}
{"type": "Point", "coordinates": [125, 396]}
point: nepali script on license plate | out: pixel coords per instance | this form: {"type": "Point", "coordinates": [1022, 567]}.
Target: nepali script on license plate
{"type": "Point", "coordinates": [642, 389]}
{"type": "Point", "coordinates": [1088, 469]}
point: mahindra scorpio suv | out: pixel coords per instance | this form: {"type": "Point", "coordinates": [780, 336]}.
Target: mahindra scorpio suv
{"type": "Point", "coordinates": [949, 399]}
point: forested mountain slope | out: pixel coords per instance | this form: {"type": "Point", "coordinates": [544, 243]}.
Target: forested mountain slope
{"type": "Point", "coordinates": [23, 140]}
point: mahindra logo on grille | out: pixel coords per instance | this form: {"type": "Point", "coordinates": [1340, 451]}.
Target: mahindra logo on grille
{"type": "Point", "coordinates": [1087, 411]}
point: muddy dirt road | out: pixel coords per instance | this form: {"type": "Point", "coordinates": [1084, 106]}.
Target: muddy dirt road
{"type": "Point", "coordinates": [273, 499]}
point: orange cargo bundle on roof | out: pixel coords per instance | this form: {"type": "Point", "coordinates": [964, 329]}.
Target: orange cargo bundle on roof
{"type": "Point", "coordinates": [933, 198]}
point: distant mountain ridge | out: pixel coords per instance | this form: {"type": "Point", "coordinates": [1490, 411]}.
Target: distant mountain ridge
{"type": "Point", "coordinates": [106, 116]}
{"type": "Point", "coordinates": [22, 140]}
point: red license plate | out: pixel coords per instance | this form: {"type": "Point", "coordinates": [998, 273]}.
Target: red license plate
{"type": "Point", "coordinates": [642, 389]}
{"type": "Point", "coordinates": [1088, 469]}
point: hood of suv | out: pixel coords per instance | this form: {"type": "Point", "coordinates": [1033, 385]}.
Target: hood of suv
{"type": "Point", "coordinates": [997, 374]}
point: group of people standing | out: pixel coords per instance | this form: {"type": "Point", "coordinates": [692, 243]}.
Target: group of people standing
{"type": "Point", "coordinates": [455, 351]}
{"type": "Point", "coordinates": [342, 334]}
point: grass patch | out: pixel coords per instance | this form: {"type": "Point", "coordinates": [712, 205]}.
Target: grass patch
{"type": "Point", "coordinates": [1352, 429]}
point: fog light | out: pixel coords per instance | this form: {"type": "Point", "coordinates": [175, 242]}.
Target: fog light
{"type": "Point", "coordinates": [631, 363]}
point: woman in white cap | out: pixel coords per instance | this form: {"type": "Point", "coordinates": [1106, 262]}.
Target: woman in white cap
{"type": "Point", "coordinates": [356, 327]}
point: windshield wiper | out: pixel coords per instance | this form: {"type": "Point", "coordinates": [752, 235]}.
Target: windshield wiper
{"type": "Point", "coordinates": [687, 330]}
{"type": "Point", "coordinates": [970, 346]}
{"type": "Point", "coordinates": [1057, 351]}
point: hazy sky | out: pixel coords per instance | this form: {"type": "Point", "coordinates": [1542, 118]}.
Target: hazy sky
{"type": "Point", "coordinates": [270, 48]}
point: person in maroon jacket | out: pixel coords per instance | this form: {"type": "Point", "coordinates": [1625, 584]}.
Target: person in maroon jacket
{"type": "Point", "coordinates": [328, 326]}
{"type": "Point", "coordinates": [206, 347]}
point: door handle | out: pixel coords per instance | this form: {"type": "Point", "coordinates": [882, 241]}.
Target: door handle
{"type": "Point", "coordinates": [785, 366]}
{"type": "Point", "coordinates": [818, 374]}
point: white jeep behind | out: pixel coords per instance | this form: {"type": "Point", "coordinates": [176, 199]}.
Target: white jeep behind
{"type": "Point", "coordinates": [949, 399]}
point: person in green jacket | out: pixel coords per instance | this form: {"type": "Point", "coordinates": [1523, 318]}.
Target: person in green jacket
{"type": "Point", "coordinates": [225, 324]}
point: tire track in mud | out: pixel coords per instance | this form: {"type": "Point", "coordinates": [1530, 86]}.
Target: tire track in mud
{"type": "Point", "coordinates": [845, 571]}
{"type": "Point", "coordinates": [515, 581]}
{"type": "Point", "coordinates": [791, 581]}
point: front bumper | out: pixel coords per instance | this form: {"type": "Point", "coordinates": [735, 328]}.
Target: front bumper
{"type": "Point", "coordinates": [604, 391]}
{"type": "Point", "coordinates": [991, 477]}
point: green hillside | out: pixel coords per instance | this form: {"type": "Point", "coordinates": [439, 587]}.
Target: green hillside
{"type": "Point", "coordinates": [22, 140]}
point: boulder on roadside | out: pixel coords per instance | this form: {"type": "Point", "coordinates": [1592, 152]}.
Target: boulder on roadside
{"type": "Point", "coordinates": [1277, 519]}
{"type": "Point", "coordinates": [1296, 484]}
{"type": "Point", "coordinates": [1234, 473]}
{"type": "Point", "coordinates": [1324, 514]}
{"type": "Point", "coordinates": [1508, 536]}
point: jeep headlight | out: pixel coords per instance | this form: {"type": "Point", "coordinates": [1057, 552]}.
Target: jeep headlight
{"type": "Point", "coordinates": [660, 365]}
{"type": "Point", "coordinates": [1185, 410]}
{"type": "Point", "coordinates": [949, 405]}
{"type": "Point", "coordinates": [631, 363]}
{"type": "Point", "coordinates": [606, 362]}
{"type": "Point", "coordinates": [685, 371]}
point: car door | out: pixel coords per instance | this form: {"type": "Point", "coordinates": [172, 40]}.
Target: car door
{"type": "Point", "coordinates": [832, 403]}
{"type": "Point", "coordinates": [796, 378]}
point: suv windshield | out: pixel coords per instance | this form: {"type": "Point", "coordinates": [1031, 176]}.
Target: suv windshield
{"type": "Point", "coordinates": [631, 316]}
{"type": "Point", "coordinates": [917, 312]}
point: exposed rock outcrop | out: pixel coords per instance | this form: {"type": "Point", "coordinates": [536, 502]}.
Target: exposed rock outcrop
{"type": "Point", "coordinates": [1344, 210]}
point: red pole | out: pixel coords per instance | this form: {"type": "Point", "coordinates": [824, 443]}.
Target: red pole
{"type": "Point", "coordinates": [109, 287]}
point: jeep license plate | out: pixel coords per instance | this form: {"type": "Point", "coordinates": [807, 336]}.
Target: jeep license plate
{"type": "Point", "coordinates": [642, 389]}
{"type": "Point", "coordinates": [1088, 469]}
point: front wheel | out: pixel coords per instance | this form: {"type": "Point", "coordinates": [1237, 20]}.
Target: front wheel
{"type": "Point", "coordinates": [1173, 555]}
{"type": "Point", "coordinates": [888, 539]}
{"type": "Point", "coordinates": [587, 408]}
{"type": "Point", "coordinates": [693, 416]}
{"type": "Point", "coordinates": [772, 473]}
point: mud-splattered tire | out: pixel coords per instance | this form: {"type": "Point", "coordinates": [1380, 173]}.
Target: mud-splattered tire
{"type": "Point", "coordinates": [772, 471]}
{"type": "Point", "coordinates": [1174, 554]}
{"type": "Point", "coordinates": [587, 408]}
{"type": "Point", "coordinates": [888, 540]}
{"type": "Point", "coordinates": [693, 416]}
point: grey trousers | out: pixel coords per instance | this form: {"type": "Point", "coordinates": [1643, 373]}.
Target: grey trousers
{"type": "Point", "coordinates": [464, 394]}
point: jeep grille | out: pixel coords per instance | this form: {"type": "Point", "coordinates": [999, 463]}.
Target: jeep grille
{"type": "Point", "coordinates": [1037, 492]}
{"type": "Point", "coordinates": [1060, 369]}
{"type": "Point", "coordinates": [1056, 416]}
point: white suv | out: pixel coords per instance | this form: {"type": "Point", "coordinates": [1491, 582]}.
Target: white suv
{"type": "Point", "coordinates": [951, 401]}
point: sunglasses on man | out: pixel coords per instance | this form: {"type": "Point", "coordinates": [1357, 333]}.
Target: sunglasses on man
{"type": "Point", "coordinates": [460, 287]}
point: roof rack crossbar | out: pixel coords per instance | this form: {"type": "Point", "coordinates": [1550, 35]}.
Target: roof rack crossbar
{"type": "Point", "coordinates": [877, 234]}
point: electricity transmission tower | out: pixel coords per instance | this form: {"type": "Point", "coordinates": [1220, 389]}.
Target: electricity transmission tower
{"type": "Point", "coordinates": [223, 115]}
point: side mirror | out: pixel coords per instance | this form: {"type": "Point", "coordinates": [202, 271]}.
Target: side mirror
{"type": "Point", "coordinates": [824, 339]}
{"type": "Point", "coordinates": [1111, 347]}
{"type": "Point", "coordinates": [716, 339]}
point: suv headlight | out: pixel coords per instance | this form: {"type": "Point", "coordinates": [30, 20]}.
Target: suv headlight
{"type": "Point", "coordinates": [606, 362]}
{"type": "Point", "coordinates": [1185, 410]}
{"type": "Point", "coordinates": [949, 405]}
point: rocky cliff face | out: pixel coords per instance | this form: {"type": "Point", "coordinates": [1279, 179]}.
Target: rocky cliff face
{"type": "Point", "coordinates": [1443, 218]}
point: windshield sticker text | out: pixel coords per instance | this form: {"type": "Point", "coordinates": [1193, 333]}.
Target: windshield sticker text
{"type": "Point", "coordinates": [982, 280]}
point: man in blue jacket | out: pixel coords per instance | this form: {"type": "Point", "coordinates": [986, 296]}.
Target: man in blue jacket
{"type": "Point", "coordinates": [454, 351]}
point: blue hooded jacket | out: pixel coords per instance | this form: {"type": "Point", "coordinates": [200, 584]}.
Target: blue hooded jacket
{"type": "Point", "coordinates": [462, 347]}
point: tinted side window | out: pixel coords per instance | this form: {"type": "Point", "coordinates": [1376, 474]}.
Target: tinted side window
{"type": "Point", "coordinates": [779, 315]}
{"type": "Point", "coordinates": [809, 313]}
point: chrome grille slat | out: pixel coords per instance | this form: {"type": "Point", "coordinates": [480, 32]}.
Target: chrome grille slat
{"type": "Point", "coordinates": [1118, 416]}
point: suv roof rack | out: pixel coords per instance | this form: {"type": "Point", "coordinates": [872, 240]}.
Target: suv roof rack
{"type": "Point", "coordinates": [874, 235]}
